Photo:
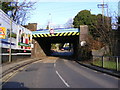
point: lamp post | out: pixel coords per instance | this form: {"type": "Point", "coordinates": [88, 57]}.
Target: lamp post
{"type": "Point", "coordinates": [11, 18]}
{"type": "Point", "coordinates": [49, 22]}
{"type": "Point", "coordinates": [10, 39]}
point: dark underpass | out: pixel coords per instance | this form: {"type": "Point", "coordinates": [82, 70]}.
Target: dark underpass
{"type": "Point", "coordinates": [46, 42]}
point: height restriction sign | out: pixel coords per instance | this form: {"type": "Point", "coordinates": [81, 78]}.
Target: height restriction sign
{"type": "Point", "coordinates": [2, 32]}
{"type": "Point", "coordinates": [51, 31]}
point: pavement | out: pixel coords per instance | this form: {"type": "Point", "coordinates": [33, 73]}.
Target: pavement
{"type": "Point", "coordinates": [16, 64]}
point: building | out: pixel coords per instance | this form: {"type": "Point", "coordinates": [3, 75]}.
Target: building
{"type": "Point", "coordinates": [31, 26]}
{"type": "Point", "coordinates": [14, 38]}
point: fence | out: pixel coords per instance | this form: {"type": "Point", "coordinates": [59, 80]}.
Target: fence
{"type": "Point", "coordinates": [109, 62]}
{"type": "Point", "coordinates": [14, 56]}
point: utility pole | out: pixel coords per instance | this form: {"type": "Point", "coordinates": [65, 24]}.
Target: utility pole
{"type": "Point", "coordinates": [103, 6]}
{"type": "Point", "coordinates": [103, 11]}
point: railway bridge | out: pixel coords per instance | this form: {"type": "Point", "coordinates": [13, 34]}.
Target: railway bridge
{"type": "Point", "coordinates": [44, 39]}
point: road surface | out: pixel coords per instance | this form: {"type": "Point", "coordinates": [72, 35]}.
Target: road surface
{"type": "Point", "coordinates": [59, 73]}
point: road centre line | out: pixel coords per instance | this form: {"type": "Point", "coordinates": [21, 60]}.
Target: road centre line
{"type": "Point", "coordinates": [54, 64]}
{"type": "Point", "coordinates": [62, 79]}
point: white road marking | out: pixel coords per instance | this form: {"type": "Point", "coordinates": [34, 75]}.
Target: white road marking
{"type": "Point", "coordinates": [54, 64]}
{"type": "Point", "coordinates": [62, 79]}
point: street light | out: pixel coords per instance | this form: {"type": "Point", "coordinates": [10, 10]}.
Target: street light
{"type": "Point", "coordinates": [50, 21]}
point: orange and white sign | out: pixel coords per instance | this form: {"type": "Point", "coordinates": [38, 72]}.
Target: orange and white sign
{"type": "Point", "coordinates": [2, 32]}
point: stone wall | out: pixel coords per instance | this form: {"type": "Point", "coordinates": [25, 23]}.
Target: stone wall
{"type": "Point", "coordinates": [84, 52]}
{"type": "Point", "coordinates": [83, 33]}
{"type": "Point", "coordinates": [37, 51]}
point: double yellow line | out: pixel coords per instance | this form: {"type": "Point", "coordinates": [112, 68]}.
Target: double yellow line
{"type": "Point", "coordinates": [8, 76]}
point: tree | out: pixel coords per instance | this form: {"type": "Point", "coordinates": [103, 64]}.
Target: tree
{"type": "Point", "coordinates": [69, 23]}
{"type": "Point", "coordinates": [99, 28]}
{"type": "Point", "coordinates": [6, 6]}
{"type": "Point", "coordinates": [21, 10]}
{"type": "Point", "coordinates": [85, 17]}
{"type": "Point", "coordinates": [105, 32]}
{"type": "Point", "coordinates": [82, 18]}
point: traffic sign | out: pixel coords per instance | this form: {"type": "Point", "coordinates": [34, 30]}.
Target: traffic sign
{"type": "Point", "coordinates": [51, 31]}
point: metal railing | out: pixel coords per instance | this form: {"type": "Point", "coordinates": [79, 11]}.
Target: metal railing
{"type": "Point", "coordinates": [108, 62]}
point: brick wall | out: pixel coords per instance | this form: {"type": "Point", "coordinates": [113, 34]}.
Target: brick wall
{"type": "Point", "coordinates": [31, 26]}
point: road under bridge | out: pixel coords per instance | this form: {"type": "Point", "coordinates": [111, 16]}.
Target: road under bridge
{"type": "Point", "coordinates": [44, 39]}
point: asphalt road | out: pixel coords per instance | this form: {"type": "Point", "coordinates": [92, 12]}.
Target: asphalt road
{"type": "Point", "coordinates": [60, 73]}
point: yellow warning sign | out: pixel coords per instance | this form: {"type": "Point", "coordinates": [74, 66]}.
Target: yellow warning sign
{"type": "Point", "coordinates": [2, 32]}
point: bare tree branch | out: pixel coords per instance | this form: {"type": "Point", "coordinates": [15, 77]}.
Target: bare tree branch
{"type": "Point", "coordinates": [22, 9]}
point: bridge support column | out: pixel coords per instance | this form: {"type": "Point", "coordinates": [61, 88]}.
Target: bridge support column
{"type": "Point", "coordinates": [46, 47]}
{"type": "Point", "coordinates": [84, 52]}
{"type": "Point", "coordinates": [76, 49]}
{"type": "Point", "coordinates": [42, 48]}
{"type": "Point", "coordinates": [37, 51]}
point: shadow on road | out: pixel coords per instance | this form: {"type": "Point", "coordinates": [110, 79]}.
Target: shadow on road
{"type": "Point", "coordinates": [14, 86]}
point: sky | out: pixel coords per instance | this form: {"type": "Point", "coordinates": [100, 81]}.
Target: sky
{"type": "Point", "coordinates": [58, 13]}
